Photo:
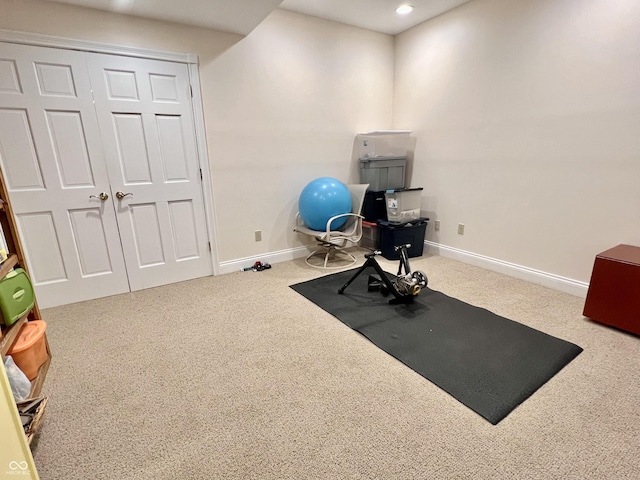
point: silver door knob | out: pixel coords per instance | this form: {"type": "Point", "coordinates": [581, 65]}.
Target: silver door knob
{"type": "Point", "coordinates": [102, 196]}
{"type": "Point", "coordinates": [121, 195]}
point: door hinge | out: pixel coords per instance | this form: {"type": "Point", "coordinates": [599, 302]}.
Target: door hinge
{"type": "Point", "coordinates": [209, 245]}
{"type": "Point", "coordinates": [200, 174]}
{"type": "Point", "coordinates": [191, 91]}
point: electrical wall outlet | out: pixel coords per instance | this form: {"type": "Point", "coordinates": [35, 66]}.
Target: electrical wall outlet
{"type": "Point", "coordinates": [461, 229]}
{"type": "Point", "coordinates": [258, 235]}
{"type": "Point", "coordinates": [436, 225]}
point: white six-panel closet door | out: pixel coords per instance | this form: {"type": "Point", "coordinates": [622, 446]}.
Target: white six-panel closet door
{"type": "Point", "coordinates": [53, 162]}
{"type": "Point", "coordinates": [77, 131]}
{"type": "Point", "coordinates": [146, 121]}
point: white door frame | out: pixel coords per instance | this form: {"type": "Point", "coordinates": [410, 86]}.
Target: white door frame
{"type": "Point", "coordinates": [190, 59]}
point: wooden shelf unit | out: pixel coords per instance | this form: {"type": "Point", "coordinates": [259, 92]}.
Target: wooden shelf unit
{"type": "Point", "coordinates": [9, 334]}
{"type": "Point", "coordinates": [10, 229]}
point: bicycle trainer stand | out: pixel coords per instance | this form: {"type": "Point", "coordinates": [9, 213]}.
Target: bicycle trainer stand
{"type": "Point", "coordinates": [406, 285]}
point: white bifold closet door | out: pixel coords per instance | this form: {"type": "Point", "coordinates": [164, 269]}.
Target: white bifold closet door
{"type": "Point", "coordinates": [145, 117]}
{"type": "Point", "coordinates": [78, 130]}
{"type": "Point", "coordinates": [54, 167]}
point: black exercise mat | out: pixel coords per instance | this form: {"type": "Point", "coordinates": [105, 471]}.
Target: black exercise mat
{"type": "Point", "coordinates": [489, 363]}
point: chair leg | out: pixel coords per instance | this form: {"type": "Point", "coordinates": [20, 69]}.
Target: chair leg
{"type": "Point", "coordinates": [330, 253]}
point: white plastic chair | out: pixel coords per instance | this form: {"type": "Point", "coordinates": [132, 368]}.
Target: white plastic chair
{"type": "Point", "coordinates": [333, 242]}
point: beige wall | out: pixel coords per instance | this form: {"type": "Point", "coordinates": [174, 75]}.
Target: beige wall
{"type": "Point", "coordinates": [282, 105]}
{"type": "Point", "coordinates": [527, 116]}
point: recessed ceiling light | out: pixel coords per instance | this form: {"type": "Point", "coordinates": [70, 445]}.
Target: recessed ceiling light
{"type": "Point", "coordinates": [404, 9]}
{"type": "Point", "coordinates": [120, 5]}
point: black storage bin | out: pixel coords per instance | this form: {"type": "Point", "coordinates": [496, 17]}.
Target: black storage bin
{"type": "Point", "coordinates": [374, 207]}
{"type": "Point", "coordinates": [395, 234]}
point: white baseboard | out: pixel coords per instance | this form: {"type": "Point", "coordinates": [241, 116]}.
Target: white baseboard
{"type": "Point", "coordinates": [556, 282]}
{"type": "Point", "coordinates": [271, 258]}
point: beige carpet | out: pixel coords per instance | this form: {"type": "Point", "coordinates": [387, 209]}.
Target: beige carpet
{"type": "Point", "coordinates": [240, 377]}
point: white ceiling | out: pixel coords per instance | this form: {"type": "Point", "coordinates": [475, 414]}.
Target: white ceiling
{"type": "Point", "coordinates": [378, 15]}
{"type": "Point", "coordinates": [237, 16]}
{"type": "Point", "coordinates": [242, 16]}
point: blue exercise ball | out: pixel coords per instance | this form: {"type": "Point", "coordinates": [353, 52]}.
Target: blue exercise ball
{"type": "Point", "coordinates": [322, 199]}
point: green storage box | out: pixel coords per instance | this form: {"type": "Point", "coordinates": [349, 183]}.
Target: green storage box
{"type": "Point", "coordinates": [16, 296]}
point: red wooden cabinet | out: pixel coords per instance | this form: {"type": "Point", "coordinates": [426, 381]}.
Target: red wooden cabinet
{"type": "Point", "coordinates": [614, 292]}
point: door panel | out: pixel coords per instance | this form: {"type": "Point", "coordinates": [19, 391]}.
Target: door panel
{"type": "Point", "coordinates": [120, 84]}
{"type": "Point", "coordinates": [147, 235]}
{"type": "Point", "coordinates": [174, 160]}
{"type": "Point", "coordinates": [90, 238]}
{"type": "Point", "coordinates": [70, 149]}
{"type": "Point", "coordinates": [41, 241]}
{"type": "Point", "coordinates": [52, 157]}
{"type": "Point", "coordinates": [17, 142]}
{"type": "Point", "coordinates": [133, 157]}
{"type": "Point", "coordinates": [183, 222]}
{"type": "Point", "coordinates": [164, 88]}
{"type": "Point", "coordinates": [145, 116]}
{"type": "Point", "coordinates": [55, 80]}
{"type": "Point", "coordinates": [9, 82]}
